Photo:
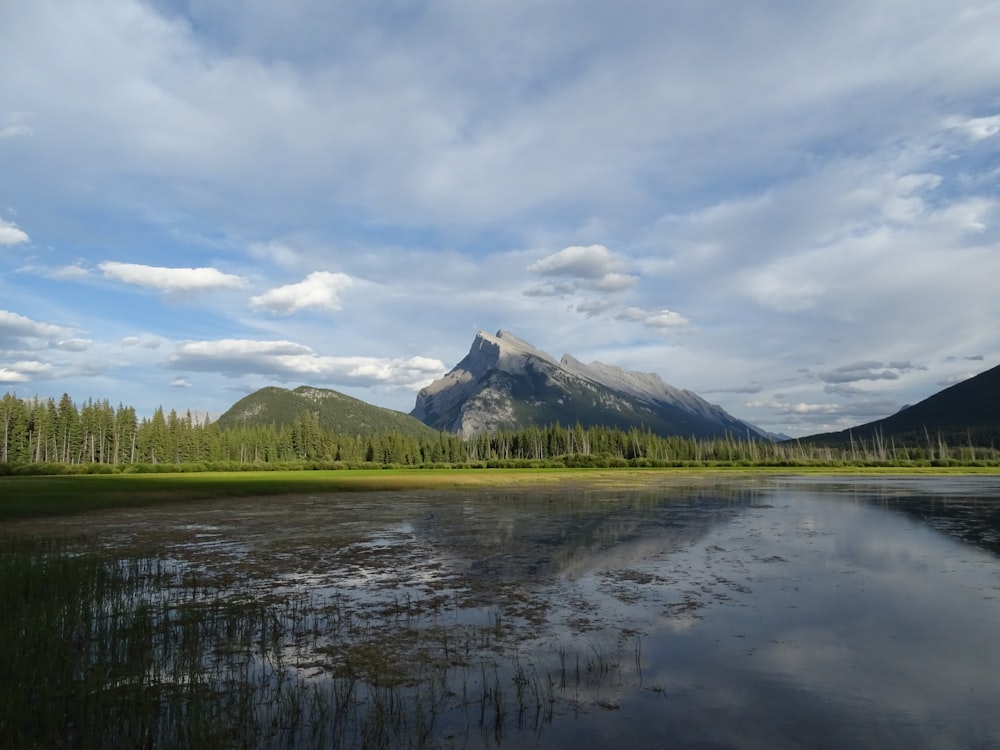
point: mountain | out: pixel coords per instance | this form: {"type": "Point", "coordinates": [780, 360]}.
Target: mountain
{"type": "Point", "coordinates": [332, 409]}
{"type": "Point", "coordinates": [506, 383]}
{"type": "Point", "coordinates": [965, 412]}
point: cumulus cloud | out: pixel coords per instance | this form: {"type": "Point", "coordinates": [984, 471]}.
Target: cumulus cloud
{"type": "Point", "coordinates": [287, 360]}
{"type": "Point", "coordinates": [660, 319]}
{"type": "Point", "coordinates": [590, 262]}
{"type": "Point", "coordinates": [180, 383]}
{"type": "Point", "coordinates": [582, 271]}
{"type": "Point", "coordinates": [8, 375]}
{"type": "Point", "coordinates": [19, 326]}
{"type": "Point", "coordinates": [24, 372]}
{"type": "Point", "coordinates": [591, 267]}
{"type": "Point", "coordinates": [11, 235]}
{"type": "Point", "coordinates": [171, 279]}
{"type": "Point", "coordinates": [319, 289]}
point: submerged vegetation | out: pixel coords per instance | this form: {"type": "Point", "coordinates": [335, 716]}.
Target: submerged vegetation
{"type": "Point", "coordinates": [49, 437]}
{"type": "Point", "coordinates": [136, 652]}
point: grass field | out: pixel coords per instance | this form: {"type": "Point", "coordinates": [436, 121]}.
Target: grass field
{"type": "Point", "coordinates": [38, 496]}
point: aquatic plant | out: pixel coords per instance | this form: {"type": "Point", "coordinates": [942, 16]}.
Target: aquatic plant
{"type": "Point", "coordinates": [107, 651]}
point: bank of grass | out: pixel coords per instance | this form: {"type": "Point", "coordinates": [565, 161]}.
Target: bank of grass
{"type": "Point", "coordinates": [48, 495]}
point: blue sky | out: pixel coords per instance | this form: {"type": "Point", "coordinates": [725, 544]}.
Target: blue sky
{"type": "Point", "coordinates": [789, 208]}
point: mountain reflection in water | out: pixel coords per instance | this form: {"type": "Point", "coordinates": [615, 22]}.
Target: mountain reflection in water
{"type": "Point", "coordinates": [771, 612]}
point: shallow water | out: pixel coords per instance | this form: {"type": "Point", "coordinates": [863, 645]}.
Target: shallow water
{"type": "Point", "coordinates": [766, 613]}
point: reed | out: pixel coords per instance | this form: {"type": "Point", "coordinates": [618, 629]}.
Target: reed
{"type": "Point", "coordinates": [116, 652]}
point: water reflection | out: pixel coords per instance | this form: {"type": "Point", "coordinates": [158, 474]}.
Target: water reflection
{"type": "Point", "coordinates": [787, 612]}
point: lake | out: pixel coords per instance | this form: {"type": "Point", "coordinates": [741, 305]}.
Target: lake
{"type": "Point", "coordinates": [758, 612]}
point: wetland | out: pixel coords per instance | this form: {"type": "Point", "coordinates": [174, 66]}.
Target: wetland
{"type": "Point", "coordinates": [746, 612]}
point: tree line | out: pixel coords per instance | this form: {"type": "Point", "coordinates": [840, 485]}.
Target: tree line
{"type": "Point", "coordinates": [37, 433]}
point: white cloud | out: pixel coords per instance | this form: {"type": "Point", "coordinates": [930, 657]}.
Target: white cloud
{"type": "Point", "coordinates": [12, 324]}
{"type": "Point", "coordinates": [660, 319]}
{"type": "Point", "coordinates": [72, 345]}
{"type": "Point", "coordinates": [801, 214]}
{"type": "Point", "coordinates": [180, 383]}
{"type": "Point", "coordinates": [614, 282]}
{"type": "Point", "coordinates": [286, 360]}
{"type": "Point", "coordinates": [238, 349]}
{"type": "Point", "coordinates": [171, 279]}
{"type": "Point", "coordinates": [976, 128]}
{"type": "Point", "coordinates": [10, 234]}
{"type": "Point", "coordinates": [24, 372]}
{"type": "Point", "coordinates": [591, 262]}
{"type": "Point", "coordinates": [582, 270]}
{"type": "Point", "coordinates": [12, 376]}
{"type": "Point", "coordinates": [145, 341]}
{"type": "Point", "coordinates": [319, 289]}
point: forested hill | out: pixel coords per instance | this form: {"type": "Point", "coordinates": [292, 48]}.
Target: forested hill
{"type": "Point", "coordinates": [331, 409]}
{"type": "Point", "coordinates": [967, 412]}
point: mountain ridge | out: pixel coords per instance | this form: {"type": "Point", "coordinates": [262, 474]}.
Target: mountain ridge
{"type": "Point", "coordinates": [505, 382]}
{"type": "Point", "coordinates": [966, 411]}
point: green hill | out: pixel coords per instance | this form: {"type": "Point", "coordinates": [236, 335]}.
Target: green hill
{"type": "Point", "coordinates": [968, 412]}
{"type": "Point", "coordinates": [333, 410]}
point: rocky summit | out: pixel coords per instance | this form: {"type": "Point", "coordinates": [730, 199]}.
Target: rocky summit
{"type": "Point", "coordinates": [506, 383]}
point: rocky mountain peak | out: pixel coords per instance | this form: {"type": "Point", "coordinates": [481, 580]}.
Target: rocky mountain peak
{"type": "Point", "coordinates": [506, 350]}
{"type": "Point", "coordinates": [505, 382]}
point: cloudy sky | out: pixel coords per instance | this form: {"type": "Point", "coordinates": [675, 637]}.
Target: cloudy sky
{"type": "Point", "coordinates": [790, 208]}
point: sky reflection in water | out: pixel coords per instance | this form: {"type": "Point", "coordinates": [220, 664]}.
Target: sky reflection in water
{"type": "Point", "coordinates": [771, 613]}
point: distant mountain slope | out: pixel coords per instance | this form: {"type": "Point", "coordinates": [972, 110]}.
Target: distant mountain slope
{"type": "Point", "coordinates": [506, 383]}
{"type": "Point", "coordinates": [333, 410]}
{"type": "Point", "coordinates": [966, 411]}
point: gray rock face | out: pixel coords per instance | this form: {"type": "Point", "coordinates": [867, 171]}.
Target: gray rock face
{"type": "Point", "coordinates": [506, 383]}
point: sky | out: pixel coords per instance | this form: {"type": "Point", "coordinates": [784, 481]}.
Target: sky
{"type": "Point", "coordinates": [789, 208]}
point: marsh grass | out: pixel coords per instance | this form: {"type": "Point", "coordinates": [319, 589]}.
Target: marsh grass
{"type": "Point", "coordinates": [105, 651]}
{"type": "Point", "coordinates": [45, 495]}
